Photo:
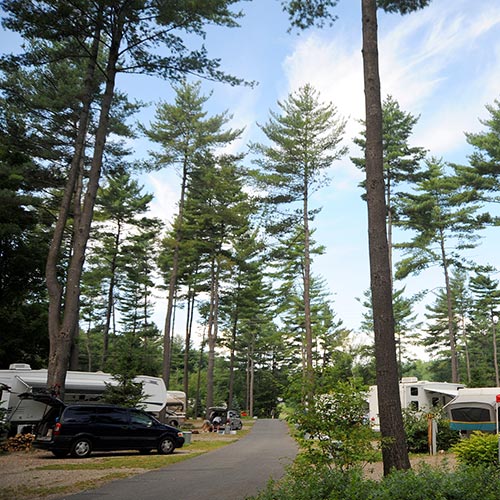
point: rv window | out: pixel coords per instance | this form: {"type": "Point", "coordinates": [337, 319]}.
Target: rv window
{"type": "Point", "coordinates": [414, 391]}
{"type": "Point", "coordinates": [435, 402]}
{"type": "Point", "coordinates": [470, 415]}
{"type": "Point", "coordinates": [414, 405]}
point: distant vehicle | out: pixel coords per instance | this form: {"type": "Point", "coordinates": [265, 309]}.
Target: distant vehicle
{"type": "Point", "coordinates": [80, 429]}
{"type": "Point", "coordinates": [177, 404]}
{"type": "Point", "coordinates": [229, 418]}
{"type": "Point", "coordinates": [80, 388]}
{"type": "Point", "coordinates": [474, 409]}
{"type": "Point", "coordinates": [417, 395]}
{"type": "Point", "coordinates": [173, 419]}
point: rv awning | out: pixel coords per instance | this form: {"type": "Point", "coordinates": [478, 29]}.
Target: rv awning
{"type": "Point", "coordinates": [446, 392]}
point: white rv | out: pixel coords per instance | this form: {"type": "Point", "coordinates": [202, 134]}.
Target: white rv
{"type": "Point", "coordinates": [80, 387]}
{"type": "Point", "coordinates": [418, 395]}
{"type": "Point", "coordinates": [474, 410]}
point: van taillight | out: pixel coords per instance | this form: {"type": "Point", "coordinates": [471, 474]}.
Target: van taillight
{"type": "Point", "coordinates": [57, 428]}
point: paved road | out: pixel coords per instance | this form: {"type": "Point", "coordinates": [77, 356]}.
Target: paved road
{"type": "Point", "coordinates": [232, 472]}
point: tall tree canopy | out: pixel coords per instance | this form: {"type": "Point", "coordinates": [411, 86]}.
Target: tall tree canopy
{"type": "Point", "coordinates": [111, 37]}
{"type": "Point", "coordinates": [304, 141]}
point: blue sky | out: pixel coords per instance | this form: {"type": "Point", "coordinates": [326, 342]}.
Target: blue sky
{"type": "Point", "coordinates": [442, 64]}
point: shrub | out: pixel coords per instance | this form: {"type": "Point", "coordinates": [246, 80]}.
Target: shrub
{"type": "Point", "coordinates": [479, 448]}
{"type": "Point", "coordinates": [333, 430]}
{"type": "Point", "coordinates": [416, 428]}
{"type": "Point", "coordinates": [424, 483]}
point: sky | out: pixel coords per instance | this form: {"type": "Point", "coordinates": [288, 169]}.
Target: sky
{"type": "Point", "coordinates": [441, 64]}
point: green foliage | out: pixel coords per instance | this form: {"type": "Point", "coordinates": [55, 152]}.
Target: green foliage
{"type": "Point", "coordinates": [333, 431]}
{"type": "Point", "coordinates": [416, 429]}
{"type": "Point", "coordinates": [479, 449]}
{"type": "Point", "coordinates": [125, 393]}
{"type": "Point", "coordinates": [303, 482]}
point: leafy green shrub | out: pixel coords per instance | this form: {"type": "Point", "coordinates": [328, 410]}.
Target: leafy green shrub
{"type": "Point", "coordinates": [479, 448]}
{"type": "Point", "coordinates": [416, 428]}
{"type": "Point", "coordinates": [424, 483]}
{"type": "Point", "coordinates": [333, 430]}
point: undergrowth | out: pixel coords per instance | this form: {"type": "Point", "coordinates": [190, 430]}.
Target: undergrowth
{"type": "Point", "coordinates": [424, 483]}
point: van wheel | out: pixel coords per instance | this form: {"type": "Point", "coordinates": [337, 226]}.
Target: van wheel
{"type": "Point", "coordinates": [81, 448]}
{"type": "Point", "coordinates": [174, 423]}
{"type": "Point", "coordinates": [166, 446]}
{"type": "Point", "coordinates": [59, 453]}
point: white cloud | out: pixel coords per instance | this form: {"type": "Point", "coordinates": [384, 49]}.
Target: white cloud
{"type": "Point", "coordinates": [166, 196]}
{"type": "Point", "coordinates": [424, 61]}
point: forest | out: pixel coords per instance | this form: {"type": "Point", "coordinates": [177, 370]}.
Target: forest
{"type": "Point", "coordinates": [247, 322]}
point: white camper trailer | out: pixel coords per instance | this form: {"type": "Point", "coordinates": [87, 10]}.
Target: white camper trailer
{"type": "Point", "coordinates": [176, 402]}
{"type": "Point", "coordinates": [474, 410]}
{"type": "Point", "coordinates": [418, 395]}
{"type": "Point", "coordinates": [80, 387]}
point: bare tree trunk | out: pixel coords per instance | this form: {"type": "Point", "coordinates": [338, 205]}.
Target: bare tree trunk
{"type": "Point", "coordinates": [394, 451]}
{"type": "Point", "coordinates": [62, 339]}
{"type": "Point", "coordinates": [172, 283]}
{"type": "Point", "coordinates": [187, 340]}
{"type": "Point", "coordinates": [212, 331]}
{"type": "Point", "coordinates": [307, 299]}
{"type": "Point", "coordinates": [111, 300]}
{"type": "Point", "coordinates": [495, 353]}
{"type": "Point", "coordinates": [57, 339]}
{"type": "Point", "coordinates": [251, 378]}
{"type": "Point", "coordinates": [455, 378]}
{"type": "Point", "coordinates": [198, 382]}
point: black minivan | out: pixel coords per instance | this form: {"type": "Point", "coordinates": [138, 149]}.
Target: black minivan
{"type": "Point", "coordinates": [80, 429]}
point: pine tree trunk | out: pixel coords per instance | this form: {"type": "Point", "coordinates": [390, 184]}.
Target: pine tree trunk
{"type": "Point", "coordinates": [307, 300]}
{"type": "Point", "coordinates": [212, 332]}
{"type": "Point", "coordinates": [451, 325]}
{"type": "Point", "coordinates": [57, 377]}
{"type": "Point", "coordinates": [172, 283]}
{"type": "Point", "coordinates": [61, 339]}
{"type": "Point", "coordinates": [394, 451]}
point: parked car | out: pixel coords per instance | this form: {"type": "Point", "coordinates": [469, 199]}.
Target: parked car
{"type": "Point", "coordinates": [227, 417]}
{"type": "Point", "coordinates": [80, 429]}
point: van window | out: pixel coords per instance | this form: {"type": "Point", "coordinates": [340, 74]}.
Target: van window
{"type": "Point", "coordinates": [137, 417]}
{"type": "Point", "coordinates": [116, 416]}
{"type": "Point", "coordinates": [78, 414]}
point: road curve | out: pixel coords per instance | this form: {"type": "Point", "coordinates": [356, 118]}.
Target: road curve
{"type": "Point", "coordinates": [233, 472]}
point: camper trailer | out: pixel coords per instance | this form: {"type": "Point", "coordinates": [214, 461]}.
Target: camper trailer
{"type": "Point", "coordinates": [474, 410]}
{"type": "Point", "coordinates": [417, 395]}
{"type": "Point", "coordinates": [80, 387]}
{"type": "Point", "coordinates": [176, 402]}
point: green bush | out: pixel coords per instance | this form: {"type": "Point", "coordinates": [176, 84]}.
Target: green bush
{"type": "Point", "coordinates": [425, 483]}
{"type": "Point", "coordinates": [333, 430]}
{"type": "Point", "coordinates": [479, 448]}
{"type": "Point", "coordinates": [416, 425]}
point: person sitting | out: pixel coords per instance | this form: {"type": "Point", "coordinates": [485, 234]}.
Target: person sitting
{"type": "Point", "coordinates": [216, 423]}
{"type": "Point", "coordinates": [207, 426]}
